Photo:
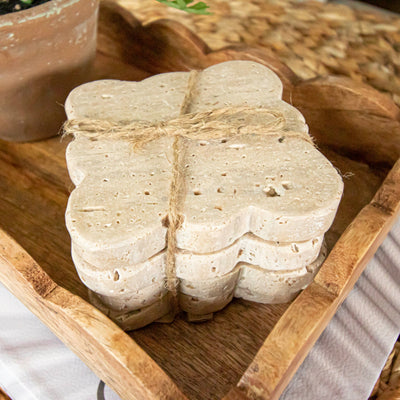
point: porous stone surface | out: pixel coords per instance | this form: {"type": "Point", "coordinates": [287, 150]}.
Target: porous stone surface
{"type": "Point", "coordinates": [252, 204]}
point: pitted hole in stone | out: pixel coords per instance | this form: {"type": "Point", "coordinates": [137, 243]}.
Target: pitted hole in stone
{"type": "Point", "coordinates": [237, 146]}
{"type": "Point", "coordinates": [195, 299]}
{"type": "Point", "coordinates": [270, 191]}
{"type": "Point", "coordinates": [197, 192]}
{"type": "Point", "coordinates": [294, 248]}
{"type": "Point", "coordinates": [165, 222]}
{"type": "Point", "coordinates": [220, 190]}
{"type": "Point", "coordinates": [224, 140]}
{"type": "Point", "coordinates": [314, 242]}
{"type": "Point", "coordinates": [281, 139]}
{"type": "Point", "coordinates": [240, 252]}
{"type": "Point", "coordinates": [213, 269]}
{"type": "Point", "coordinates": [147, 193]}
{"type": "Point", "coordinates": [287, 185]}
{"type": "Point", "coordinates": [153, 280]}
{"type": "Point", "coordinates": [106, 155]}
{"type": "Point", "coordinates": [224, 174]}
{"type": "Point", "coordinates": [116, 276]}
{"type": "Point", "coordinates": [122, 291]}
{"type": "Point", "coordinates": [218, 208]}
{"type": "Point", "coordinates": [203, 143]}
{"type": "Point", "coordinates": [105, 180]}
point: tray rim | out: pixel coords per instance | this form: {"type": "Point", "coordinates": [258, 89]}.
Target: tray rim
{"type": "Point", "coordinates": [263, 379]}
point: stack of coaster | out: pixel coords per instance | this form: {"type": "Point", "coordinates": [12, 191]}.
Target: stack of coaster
{"type": "Point", "coordinates": [193, 188]}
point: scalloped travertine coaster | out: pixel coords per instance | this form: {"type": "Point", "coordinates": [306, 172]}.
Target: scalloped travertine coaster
{"type": "Point", "coordinates": [274, 185]}
{"type": "Point", "coordinates": [200, 299]}
{"type": "Point", "coordinates": [112, 278]}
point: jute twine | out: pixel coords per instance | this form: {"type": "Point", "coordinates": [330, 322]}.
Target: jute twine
{"type": "Point", "coordinates": [216, 124]}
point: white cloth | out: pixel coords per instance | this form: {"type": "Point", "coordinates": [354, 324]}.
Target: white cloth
{"type": "Point", "coordinates": [349, 356]}
{"type": "Point", "coordinates": [35, 364]}
{"type": "Point", "coordinates": [344, 363]}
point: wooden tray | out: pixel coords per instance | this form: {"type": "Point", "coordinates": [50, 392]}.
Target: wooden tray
{"type": "Point", "coordinates": [249, 351]}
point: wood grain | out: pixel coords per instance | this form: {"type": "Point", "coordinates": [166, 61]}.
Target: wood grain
{"type": "Point", "coordinates": [298, 328]}
{"type": "Point", "coordinates": [340, 113]}
{"type": "Point", "coordinates": [3, 396]}
{"type": "Point", "coordinates": [259, 346]}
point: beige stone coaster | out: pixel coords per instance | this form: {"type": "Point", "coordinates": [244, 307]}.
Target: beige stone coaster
{"type": "Point", "coordinates": [201, 299]}
{"type": "Point", "coordinates": [262, 196]}
{"type": "Point", "coordinates": [281, 189]}
{"type": "Point", "coordinates": [114, 278]}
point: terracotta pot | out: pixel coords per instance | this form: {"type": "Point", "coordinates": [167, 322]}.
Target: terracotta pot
{"type": "Point", "coordinates": [45, 51]}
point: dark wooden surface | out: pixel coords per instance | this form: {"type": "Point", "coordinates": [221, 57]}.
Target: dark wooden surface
{"type": "Point", "coordinates": [392, 5]}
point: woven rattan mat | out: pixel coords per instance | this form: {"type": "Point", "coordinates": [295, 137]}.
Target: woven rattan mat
{"type": "Point", "coordinates": [312, 38]}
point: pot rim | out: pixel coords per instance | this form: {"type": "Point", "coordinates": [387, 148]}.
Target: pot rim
{"type": "Point", "coordinates": [45, 10]}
